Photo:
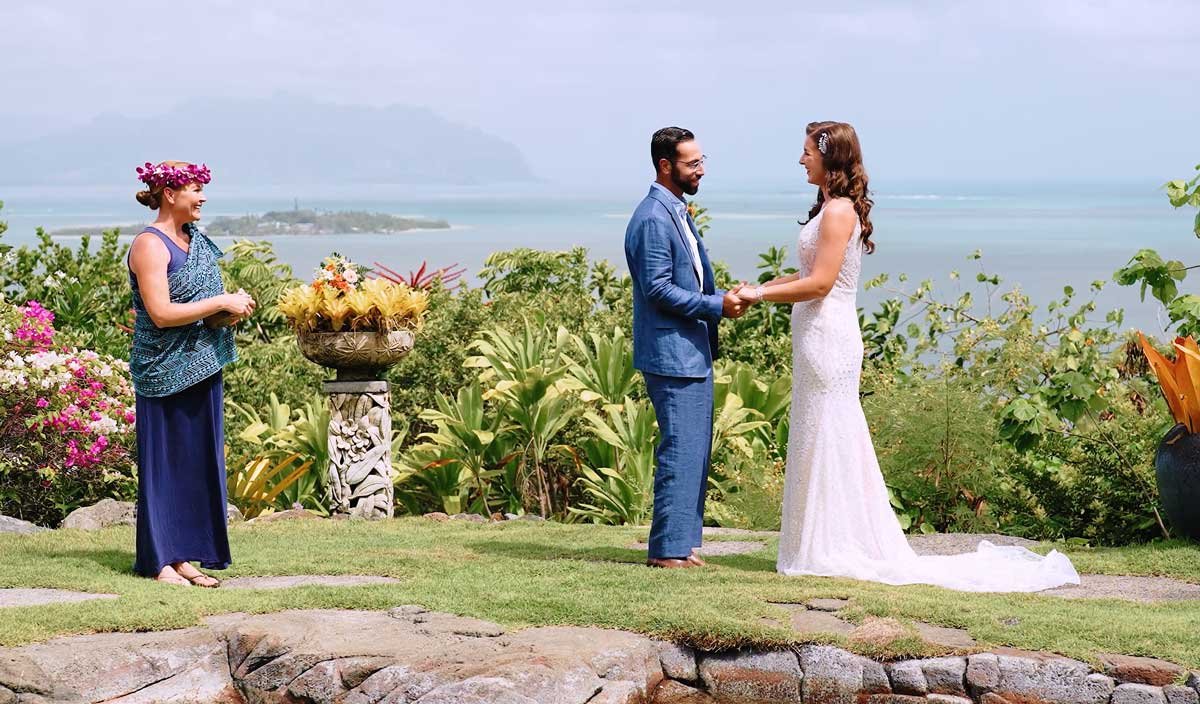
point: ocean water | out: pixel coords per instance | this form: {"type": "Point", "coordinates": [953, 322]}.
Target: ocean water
{"type": "Point", "coordinates": [1041, 239]}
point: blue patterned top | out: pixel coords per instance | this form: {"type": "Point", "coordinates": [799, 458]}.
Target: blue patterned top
{"type": "Point", "coordinates": [165, 361]}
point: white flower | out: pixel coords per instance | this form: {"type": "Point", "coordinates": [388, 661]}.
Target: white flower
{"type": "Point", "coordinates": [351, 276]}
{"type": "Point", "coordinates": [104, 426]}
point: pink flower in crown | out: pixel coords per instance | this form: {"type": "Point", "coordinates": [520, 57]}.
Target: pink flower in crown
{"type": "Point", "coordinates": [169, 176]}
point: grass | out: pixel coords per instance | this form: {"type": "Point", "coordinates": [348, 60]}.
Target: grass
{"type": "Point", "coordinates": [528, 574]}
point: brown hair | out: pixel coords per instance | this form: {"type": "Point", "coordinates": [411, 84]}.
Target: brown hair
{"type": "Point", "coordinates": [845, 175]}
{"type": "Point", "coordinates": [152, 197]}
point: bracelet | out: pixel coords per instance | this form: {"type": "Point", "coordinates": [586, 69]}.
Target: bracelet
{"type": "Point", "coordinates": [759, 291]}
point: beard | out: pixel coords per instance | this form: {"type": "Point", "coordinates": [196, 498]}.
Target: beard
{"type": "Point", "coordinates": [687, 186]}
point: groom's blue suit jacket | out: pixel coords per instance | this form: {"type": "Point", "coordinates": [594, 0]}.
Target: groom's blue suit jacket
{"type": "Point", "coordinates": [675, 316]}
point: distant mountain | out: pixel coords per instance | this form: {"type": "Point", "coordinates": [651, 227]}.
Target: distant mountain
{"type": "Point", "coordinates": [279, 140]}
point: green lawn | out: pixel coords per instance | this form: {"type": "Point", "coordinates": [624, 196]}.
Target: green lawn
{"type": "Point", "coordinates": [521, 573]}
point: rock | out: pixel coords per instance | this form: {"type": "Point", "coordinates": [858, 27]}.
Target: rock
{"type": "Point", "coordinates": [37, 597]}
{"type": "Point", "coordinates": [983, 674]}
{"type": "Point", "coordinates": [9, 524]}
{"type": "Point", "coordinates": [1193, 681]}
{"type": "Point", "coordinates": [766, 676]}
{"type": "Point", "coordinates": [1138, 694]}
{"type": "Point", "coordinates": [945, 675]}
{"type": "Point", "coordinates": [678, 662]}
{"type": "Point", "coordinates": [472, 517]}
{"type": "Point", "coordinates": [522, 682]}
{"type": "Point", "coordinates": [613, 655]}
{"type": "Point", "coordinates": [619, 692]}
{"type": "Point", "coordinates": [437, 516]}
{"type": "Point", "coordinates": [432, 622]}
{"type": "Point", "coordinates": [1139, 670]}
{"type": "Point", "coordinates": [292, 514]}
{"type": "Point", "coordinates": [947, 699]}
{"type": "Point", "coordinates": [525, 517]}
{"type": "Point", "coordinates": [827, 604]}
{"type": "Point", "coordinates": [233, 514]}
{"type": "Point", "coordinates": [188, 665]}
{"type": "Point", "coordinates": [672, 692]}
{"type": "Point", "coordinates": [102, 514]}
{"type": "Point", "coordinates": [893, 699]}
{"type": "Point", "coordinates": [907, 677]}
{"type": "Point", "coordinates": [834, 675]}
{"type": "Point", "coordinates": [329, 680]}
{"type": "Point", "coordinates": [1176, 694]}
{"type": "Point", "coordinates": [1025, 676]}
{"type": "Point", "coordinates": [7, 696]}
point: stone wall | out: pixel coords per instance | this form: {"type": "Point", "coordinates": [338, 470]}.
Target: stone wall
{"type": "Point", "coordinates": [409, 655]}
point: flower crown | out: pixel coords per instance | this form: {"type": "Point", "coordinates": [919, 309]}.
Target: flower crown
{"type": "Point", "coordinates": [168, 176]}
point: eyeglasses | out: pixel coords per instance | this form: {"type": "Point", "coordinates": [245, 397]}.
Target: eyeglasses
{"type": "Point", "coordinates": [696, 163]}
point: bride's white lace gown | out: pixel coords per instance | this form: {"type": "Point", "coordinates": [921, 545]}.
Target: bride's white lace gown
{"type": "Point", "coordinates": [837, 520]}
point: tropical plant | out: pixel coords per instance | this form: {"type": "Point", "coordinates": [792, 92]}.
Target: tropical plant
{"type": "Point", "coordinates": [617, 464]}
{"type": "Point", "coordinates": [1149, 269]}
{"type": "Point", "coordinates": [284, 432]}
{"type": "Point", "coordinates": [1179, 379]}
{"type": "Point", "coordinates": [530, 271]}
{"type": "Point", "coordinates": [458, 451]}
{"type": "Point", "coordinates": [87, 290]}
{"type": "Point", "coordinates": [256, 486]}
{"type": "Point", "coordinates": [605, 370]}
{"type": "Point", "coordinates": [531, 383]}
{"type": "Point", "coordinates": [253, 267]}
{"type": "Point", "coordinates": [421, 278]}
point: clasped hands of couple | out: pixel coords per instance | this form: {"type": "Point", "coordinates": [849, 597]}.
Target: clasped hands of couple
{"type": "Point", "coordinates": [739, 299]}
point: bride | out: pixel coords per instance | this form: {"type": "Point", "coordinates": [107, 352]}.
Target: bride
{"type": "Point", "coordinates": [837, 520]}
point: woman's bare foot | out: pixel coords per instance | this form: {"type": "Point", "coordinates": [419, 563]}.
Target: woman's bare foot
{"type": "Point", "coordinates": [195, 576]}
{"type": "Point", "coordinates": [168, 575]}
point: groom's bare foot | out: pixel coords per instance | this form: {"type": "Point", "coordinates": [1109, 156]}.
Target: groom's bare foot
{"type": "Point", "coordinates": [669, 562]}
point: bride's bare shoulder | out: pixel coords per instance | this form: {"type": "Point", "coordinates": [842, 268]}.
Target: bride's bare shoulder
{"type": "Point", "coordinates": [839, 205]}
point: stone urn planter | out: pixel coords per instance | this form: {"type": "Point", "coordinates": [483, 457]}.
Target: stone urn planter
{"type": "Point", "coordinates": [1177, 469]}
{"type": "Point", "coordinates": [360, 422]}
{"type": "Point", "coordinates": [357, 356]}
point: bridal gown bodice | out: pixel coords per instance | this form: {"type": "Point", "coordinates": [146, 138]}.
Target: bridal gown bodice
{"type": "Point", "coordinates": [837, 519]}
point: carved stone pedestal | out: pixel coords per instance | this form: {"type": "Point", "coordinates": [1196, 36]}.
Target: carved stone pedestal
{"type": "Point", "coordinates": [360, 442]}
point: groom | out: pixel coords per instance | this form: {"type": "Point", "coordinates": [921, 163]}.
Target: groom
{"type": "Point", "coordinates": [676, 308]}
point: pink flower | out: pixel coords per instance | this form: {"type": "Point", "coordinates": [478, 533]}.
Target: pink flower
{"type": "Point", "coordinates": [42, 403]}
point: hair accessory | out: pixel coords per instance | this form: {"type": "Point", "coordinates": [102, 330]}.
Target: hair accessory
{"type": "Point", "coordinates": [823, 142]}
{"type": "Point", "coordinates": [169, 176]}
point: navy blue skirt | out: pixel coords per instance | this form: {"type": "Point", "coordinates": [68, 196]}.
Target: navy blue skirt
{"type": "Point", "coordinates": [181, 479]}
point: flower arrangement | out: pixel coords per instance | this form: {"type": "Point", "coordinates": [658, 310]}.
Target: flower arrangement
{"type": "Point", "coordinates": [1179, 379]}
{"type": "Point", "coordinates": [66, 417]}
{"type": "Point", "coordinates": [344, 297]}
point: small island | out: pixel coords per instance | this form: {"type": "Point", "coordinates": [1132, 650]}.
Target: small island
{"type": "Point", "coordinates": [296, 222]}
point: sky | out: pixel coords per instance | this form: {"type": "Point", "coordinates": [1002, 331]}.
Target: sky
{"type": "Point", "coordinates": [1018, 92]}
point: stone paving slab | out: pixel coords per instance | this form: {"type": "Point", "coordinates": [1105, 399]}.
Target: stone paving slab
{"type": "Point", "coordinates": [1131, 588]}
{"type": "Point", "coordinates": [38, 597]}
{"type": "Point", "coordinates": [304, 580]}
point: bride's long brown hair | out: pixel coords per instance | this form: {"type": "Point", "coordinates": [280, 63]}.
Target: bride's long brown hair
{"type": "Point", "coordinates": [845, 175]}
